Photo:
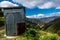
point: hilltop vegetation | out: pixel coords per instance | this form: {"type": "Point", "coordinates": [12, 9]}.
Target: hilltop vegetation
{"type": "Point", "coordinates": [53, 26]}
{"type": "Point", "coordinates": [34, 33]}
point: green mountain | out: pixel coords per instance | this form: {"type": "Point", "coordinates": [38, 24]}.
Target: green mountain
{"type": "Point", "coordinates": [53, 26]}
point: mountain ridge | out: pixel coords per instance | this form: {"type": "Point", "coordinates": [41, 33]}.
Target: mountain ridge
{"type": "Point", "coordinates": [53, 26]}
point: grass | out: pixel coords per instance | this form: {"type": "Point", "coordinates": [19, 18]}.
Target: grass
{"type": "Point", "coordinates": [1, 18]}
{"type": "Point", "coordinates": [34, 33]}
{"type": "Point", "coordinates": [40, 35]}
{"type": "Point", "coordinates": [48, 36]}
{"type": "Point", "coordinates": [1, 21]}
{"type": "Point", "coordinates": [43, 36]}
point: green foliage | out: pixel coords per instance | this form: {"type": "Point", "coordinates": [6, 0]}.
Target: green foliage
{"type": "Point", "coordinates": [2, 35]}
{"type": "Point", "coordinates": [1, 13]}
{"type": "Point", "coordinates": [54, 26]}
{"type": "Point", "coordinates": [1, 18]}
{"type": "Point", "coordinates": [1, 21]}
{"type": "Point", "coordinates": [31, 33]}
{"type": "Point", "coordinates": [34, 33]}
{"type": "Point", "coordinates": [48, 37]}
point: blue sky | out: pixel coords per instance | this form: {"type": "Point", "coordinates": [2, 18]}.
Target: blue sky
{"type": "Point", "coordinates": [33, 9]}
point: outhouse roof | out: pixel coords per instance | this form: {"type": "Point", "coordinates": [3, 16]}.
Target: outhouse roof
{"type": "Point", "coordinates": [12, 7]}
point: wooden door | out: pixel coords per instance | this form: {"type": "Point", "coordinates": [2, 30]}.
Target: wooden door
{"type": "Point", "coordinates": [10, 28]}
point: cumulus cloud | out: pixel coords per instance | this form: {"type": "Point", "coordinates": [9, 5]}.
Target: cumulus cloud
{"type": "Point", "coordinates": [44, 15]}
{"type": "Point", "coordinates": [46, 5]}
{"type": "Point", "coordinates": [7, 4]}
{"type": "Point", "coordinates": [36, 16]}
{"type": "Point", "coordinates": [57, 7]}
{"type": "Point", "coordinates": [55, 14]}
{"type": "Point", "coordinates": [42, 4]}
{"type": "Point", "coordinates": [28, 3]}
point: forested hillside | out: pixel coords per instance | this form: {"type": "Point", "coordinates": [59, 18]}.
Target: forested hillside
{"type": "Point", "coordinates": [53, 26]}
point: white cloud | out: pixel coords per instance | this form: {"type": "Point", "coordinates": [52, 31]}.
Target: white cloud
{"type": "Point", "coordinates": [36, 16]}
{"type": "Point", "coordinates": [43, 4]}
{"type": "Point", "coordinates": [46, 5]}
{"type": "Point", "coordinates": [43, 15]}
{"type": "Point", "coordinates": [28, 3]}
{"type": "Point", "coordinates": [55, 14]}
{"type": "Point", "coordinates": [57, 7]}
{"type": "Point", "coordinates": [7, 4]}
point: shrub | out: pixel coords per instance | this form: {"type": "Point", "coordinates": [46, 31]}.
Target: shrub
{"type": "Point", "coordinates": [50, 37]}
{"type": "Point", "coordinates": [31, 33]}
{"type": "Point", "coordinates": [1, 23]}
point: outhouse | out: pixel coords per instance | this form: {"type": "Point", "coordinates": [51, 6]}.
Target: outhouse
{"type": "Point", "coordinates": [14, 20]}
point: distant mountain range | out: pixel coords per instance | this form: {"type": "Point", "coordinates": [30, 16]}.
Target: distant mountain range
{"type": "Point", "coordinates": [50, 24]}
{"type": "Point", "coordinates": [39, 20]}
{"type": "Point", "coordinates": [47, 19]}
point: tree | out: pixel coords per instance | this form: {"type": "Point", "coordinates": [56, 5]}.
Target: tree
{"type": "Point", "coordinates": [1, 13]}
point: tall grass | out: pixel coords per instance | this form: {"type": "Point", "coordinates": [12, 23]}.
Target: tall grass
{"type": "Point", "coordinates": [34, 33]}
